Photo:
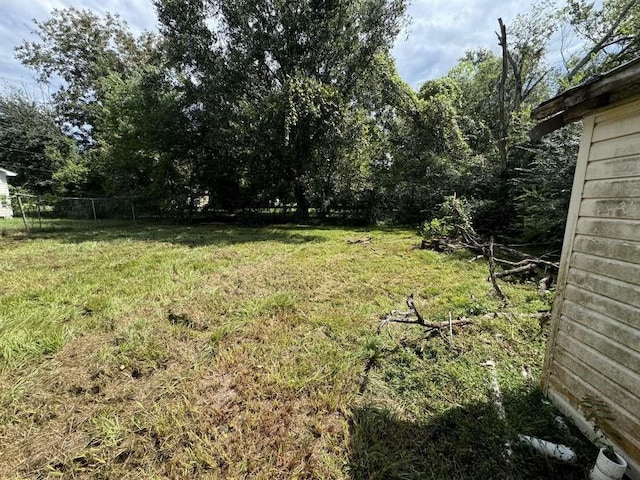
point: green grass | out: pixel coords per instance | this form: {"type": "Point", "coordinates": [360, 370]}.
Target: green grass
{"type": "Point", "coordinates": [159, 351]}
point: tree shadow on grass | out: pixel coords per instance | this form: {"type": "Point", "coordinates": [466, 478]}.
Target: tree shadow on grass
{"type": "Point", "coordinates": [465, 442]}
{"type": "Point", "coordinates": [187, 235]}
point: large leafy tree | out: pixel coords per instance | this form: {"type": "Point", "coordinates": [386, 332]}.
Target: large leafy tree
{"type": "Point", "coordinates": [477, 76]}
{"type": "Point", "coordinates": [526, 76]}
{"type": "Point", "coordinates": [499, 92]}
{"type": "Point", "coordinates": [144, 142]}
{"type": "Point", "coordinates": [429, 154]}
{"type": "Point", "coordinates": [115, 98]}
{"type": "Point", "coordinates": [292, 75]}
{"type": "Point", "coordinates": [32, 144]}
{"type": "Point", "coordinates": [76, 50]}
{"type": "Point", "coordinates": [541, 186]}
{"type": "Point", "coordinates": [608, 32]}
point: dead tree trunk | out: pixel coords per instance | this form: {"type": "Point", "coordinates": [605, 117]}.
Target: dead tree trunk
{"type": "Point", "coordinates": [502, 141]}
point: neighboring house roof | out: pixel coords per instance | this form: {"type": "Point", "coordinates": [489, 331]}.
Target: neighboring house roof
{"type": "Point", "coordinates": [8, 173]}
{"type": "Point", "coordinates": [615, 86]}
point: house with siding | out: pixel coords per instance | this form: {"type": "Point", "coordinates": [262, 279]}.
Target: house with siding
{"type": "Point", "coordinates": [5, 203]}
{"type": "Point", "coordinates": [593, 352]}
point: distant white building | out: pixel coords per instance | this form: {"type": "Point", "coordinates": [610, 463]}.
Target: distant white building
{"type": "Point", "coordinates": [5, 202]}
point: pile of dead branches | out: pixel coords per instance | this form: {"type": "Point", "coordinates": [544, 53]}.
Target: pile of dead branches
{"type": "Point", "coordinates": [413, 316]}
{"type": "Point", "coordinates": [513, 262]}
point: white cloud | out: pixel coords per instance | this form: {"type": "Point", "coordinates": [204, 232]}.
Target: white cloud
{"type": "Point", "coordinates": [443, 30]}
{"type": "Point", "coordinates": [16, 25]}
{"type": "Point", "coordinates": [440, 33]}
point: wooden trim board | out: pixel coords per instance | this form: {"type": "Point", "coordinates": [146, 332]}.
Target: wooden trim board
{"type": "Point", "coordinates": [567, 244]}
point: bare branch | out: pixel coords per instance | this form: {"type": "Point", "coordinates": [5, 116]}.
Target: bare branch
{"type": "Point", "coordinates": [414, 310]}
{"type": "Point", "coordinates": [513, 271]}
{"type": "Point", "coordinates": [603, 41]}
{"type": "Point", "coordinates": [492, 273]}
{"type": "Point", "coordinates": [413, 317]}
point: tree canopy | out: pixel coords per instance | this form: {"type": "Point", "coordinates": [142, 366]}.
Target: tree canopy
{"type": "Point", "coordinates": [259, 103]}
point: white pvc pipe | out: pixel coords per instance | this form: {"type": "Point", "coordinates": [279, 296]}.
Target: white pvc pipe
{"type": "Point", "coordinates": [560, 452]}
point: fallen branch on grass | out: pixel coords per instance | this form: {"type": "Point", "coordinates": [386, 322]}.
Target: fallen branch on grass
{"type": "Point", "coordinates": [513, 271]}
{"type": "Point", "coordinates": [513, 257]}
{"type": "Point", "coordinates": [492, 274]}
{"type": "Point", "coordinates": [441, 245]}
{"type": "Point", "coordinates": [503, 255]}
{"type": "Point", "coordinates": [414, 317]}
{"type": "Point", "coordinates": [514, 262]}
{"type": "Point", "coordinates": [359, 240]}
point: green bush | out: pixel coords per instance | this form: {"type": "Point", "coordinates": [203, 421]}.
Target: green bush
{"type": "Point", "coordinates": [454, 220]}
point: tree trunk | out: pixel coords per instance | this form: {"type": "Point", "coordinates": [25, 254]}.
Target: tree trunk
{"type": "Point", "coordinates": [502, 141]}
{"type": "Point", "coordinates": [302, 205]}
{"type": "Point", "coordinates": [517, 78]}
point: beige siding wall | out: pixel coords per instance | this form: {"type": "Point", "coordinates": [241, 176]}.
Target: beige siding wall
{"type": "Point", "coordinates": [594, 346]}
{"type": "Point", "coordinates": [5, 205]}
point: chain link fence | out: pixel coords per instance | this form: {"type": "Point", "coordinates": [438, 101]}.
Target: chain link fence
{"type": "Point", "coordinates": [34, 212]}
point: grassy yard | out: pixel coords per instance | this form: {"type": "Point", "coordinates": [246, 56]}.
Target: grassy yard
{"type": "Point", "coordinates": [159, 351]}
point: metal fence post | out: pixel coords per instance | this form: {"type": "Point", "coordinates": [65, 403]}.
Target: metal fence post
{"type": "Point", "coordinates": [24, 216]}
{"type": "Point", "coordinates": [93, 208]}
{"type": "Point", "coordinates": [39, 214]}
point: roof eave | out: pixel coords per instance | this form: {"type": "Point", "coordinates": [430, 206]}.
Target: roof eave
{"type": "Point", "coordinates": [8, 173]}
{"type": "Point", "coordinates": [613, 87]}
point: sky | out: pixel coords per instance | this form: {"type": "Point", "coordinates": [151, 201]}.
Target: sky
{"type": "Point", "coordinates": [440, 32]}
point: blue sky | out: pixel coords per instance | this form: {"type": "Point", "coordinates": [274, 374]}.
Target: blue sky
{"type": "Point", "coordinates": [440, 31]}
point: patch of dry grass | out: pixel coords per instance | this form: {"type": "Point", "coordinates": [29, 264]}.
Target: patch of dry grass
{"type": "Point", "coordinates": [227, 352]}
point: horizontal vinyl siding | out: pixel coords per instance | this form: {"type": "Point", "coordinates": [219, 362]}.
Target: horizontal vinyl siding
{"type": "Point", "coordinates": [621, 312]}
{"type": "Point", "coordinates": [625, 251]}
{"type": "Point", "coordinates": [616, 126]}
{"type": "Point", "coordinates": [625, 208]}
{"type": "Point", "coordinates": [622, 333]}
{"type": "Point", "coordinates": [623, 429]}
{"type": "Point", "coordinates": [615, 361]}
{"type": "Point", "coordinates": [614, 168]}
{"type": "Point", "coordinates": [612, 188]}
{"type": "Point", "coordinates": [615, 148]}
{"type": "Point", "coordinates": [4, 192]}
{"type": "Point", "coordinates": [611, 268]}
{"type": "Point", "coordinates": [596, 349]}
{"type": "Point", "coordinates": [614, 289]}
{"type": "Point", "coordinates": [610, 228]}
{"type": "Point", "coordinates": [613, 380]}
{"type": "Point", "coordinates": [4, 188]}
